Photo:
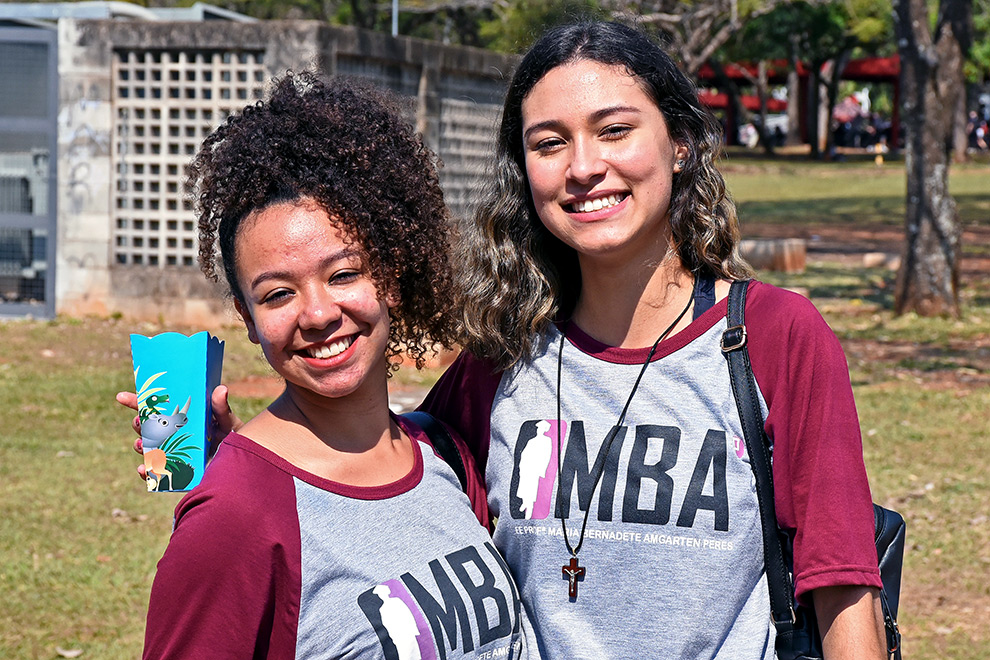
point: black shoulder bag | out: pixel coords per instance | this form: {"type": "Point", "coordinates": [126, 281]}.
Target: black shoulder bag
{"type": "Point", "coordinates": [798, 637]}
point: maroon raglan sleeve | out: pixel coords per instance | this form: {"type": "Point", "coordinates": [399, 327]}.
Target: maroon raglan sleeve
{"type": "Point", "coordinates": [228, 583]}
{"type": "Point", "coordinates": [462, 398]}
{"type": "Point", "coordinates": [821, 490]}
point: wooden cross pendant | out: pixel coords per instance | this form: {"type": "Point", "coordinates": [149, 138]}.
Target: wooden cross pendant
{"type": "Point", "coordinates": [573, 574]}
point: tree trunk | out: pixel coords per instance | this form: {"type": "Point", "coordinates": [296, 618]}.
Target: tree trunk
{"type": "Point", "coordinates": [813, 110]}
{"type": "Point", "coordinates": [735, 111]}
{"type": "Point", "coordinates": [834, 72]}
{"type": "Point", "coordinates": [793, 106]}
{"type": "Point", "coordinates": [762, 92]}
{"type": "Point", "coordinates": [931, 79]}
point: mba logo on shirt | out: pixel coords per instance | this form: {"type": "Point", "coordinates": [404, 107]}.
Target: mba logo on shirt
{"type": "Point", "coordinates": [398, 622]}
{"type": "Point", "coordinates": [414, 623]}
{"type": "Point", "coordinates": [535, 474]}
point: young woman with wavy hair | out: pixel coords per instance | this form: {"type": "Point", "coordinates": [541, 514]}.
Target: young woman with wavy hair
{"type": "Point", "coordinates": [517, 276]}
{"type": "Point", "coordinates": [594, 393]}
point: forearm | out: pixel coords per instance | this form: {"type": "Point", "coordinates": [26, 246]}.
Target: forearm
{"type": "Point", "coordinates": [851, 623]}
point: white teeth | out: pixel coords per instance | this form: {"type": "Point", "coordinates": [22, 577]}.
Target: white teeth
{"type": "Point", "coordinates": [597, 204]}
{"type": "Point", "coordinates": [329, 350]}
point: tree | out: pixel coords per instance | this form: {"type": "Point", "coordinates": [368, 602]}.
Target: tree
{"type": "Point", "coordinates": [694, 30]}
{"type": "Point", "coordinates": [931, 82]}
{"type": "Point", "coordinates": [518, 23]}
{"type": "Point", "coordinates": [449, 22]}
{"type": "Point", "coordinates": [977, 65]}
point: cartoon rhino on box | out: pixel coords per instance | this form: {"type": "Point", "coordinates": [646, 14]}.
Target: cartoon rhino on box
{"type": "Point", "coordinates": [156, 428]}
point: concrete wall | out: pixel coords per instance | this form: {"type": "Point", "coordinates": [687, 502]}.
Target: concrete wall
{"type": "Point", "coordinates": [456, 93]}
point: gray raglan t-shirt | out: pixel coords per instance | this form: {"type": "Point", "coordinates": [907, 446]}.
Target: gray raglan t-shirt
{"type": "Point", "coordinates": [673, 518]}
{"type": "Point", "coordinates": [270, 561]}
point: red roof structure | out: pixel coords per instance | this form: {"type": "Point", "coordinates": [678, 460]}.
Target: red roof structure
{"type": "Point", "coordinates": [720, 101]}
{"type": "Point", "coordinates": [869, 69]}
{"type": "Point", "coordinates": [874, 69]}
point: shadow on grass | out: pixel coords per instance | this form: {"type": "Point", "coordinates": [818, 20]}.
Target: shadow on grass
{"type": "Point", "coordinates": [831, 211]}
{"type": "Point", "coordinates": [826, 281]}
{"type": "Point", "coordinates": [974, 210]}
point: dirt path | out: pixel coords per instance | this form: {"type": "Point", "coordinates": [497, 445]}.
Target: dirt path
{"type": "Point", "coordinates": [848, 243]}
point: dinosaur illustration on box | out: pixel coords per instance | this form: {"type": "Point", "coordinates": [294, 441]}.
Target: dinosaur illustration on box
{"type": "Point", "coordinates": [165, 449]}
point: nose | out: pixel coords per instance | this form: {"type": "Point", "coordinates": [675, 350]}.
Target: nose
{"type": "Point", "coordinates": [319, 309]}
{"type": "Point", "coordinates": [586, 161]}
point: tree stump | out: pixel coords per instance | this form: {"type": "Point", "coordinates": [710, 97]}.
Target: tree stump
{"type": "Point", "coordinates": [788, 255]}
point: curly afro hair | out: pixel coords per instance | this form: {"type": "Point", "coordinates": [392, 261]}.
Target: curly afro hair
{"type": "Point", "coordinates": [344, 145]}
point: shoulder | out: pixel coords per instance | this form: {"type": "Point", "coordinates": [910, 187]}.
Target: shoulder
{"type": "Point", "coordinates": [784, 327]}
{"type": "Point", "coordinates": [236, 535]}
{"type": "Point", "coordinates": [449, 452]}
{"type": "Point", "coordinates": [468, 372]}
{"type": "Point", "coordinates": [767, 304]}
{"type": "Point", "coordinates": [240, 488]}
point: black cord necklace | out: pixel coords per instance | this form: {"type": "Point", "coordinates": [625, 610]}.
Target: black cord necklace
{"type": "Point", "coordinates": [572, 571]}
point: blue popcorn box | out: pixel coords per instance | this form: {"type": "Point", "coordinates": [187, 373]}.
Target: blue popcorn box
{"type": "Point", "coordinates": [174, 377]}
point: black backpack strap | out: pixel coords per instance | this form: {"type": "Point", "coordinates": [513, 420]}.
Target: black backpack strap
{"type": "Point", "coordinates": [704, 295]}
{"type": "Point", "coordinates": [734, 341]}
{"type": "Point", "coordinates": [442, 442]}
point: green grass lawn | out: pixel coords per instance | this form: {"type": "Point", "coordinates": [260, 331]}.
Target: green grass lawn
{"type": "Point", "coordinates": [795, 191]}
{"type": "Point", "coordinates": [80, 537]}
{"type": "Point", "coordinates": [922, 385]}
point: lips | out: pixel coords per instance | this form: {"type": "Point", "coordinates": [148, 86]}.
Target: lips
{"type": "Point", "coordinates": [596, 204]}
{"type": "Point", "coordinates": [331, 349]}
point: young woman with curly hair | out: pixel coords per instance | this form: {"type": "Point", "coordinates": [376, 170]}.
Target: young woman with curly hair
{"type": "Point", "coordinates": [326, 526]}
{"type": "Point", "coordinates": [594, 393]}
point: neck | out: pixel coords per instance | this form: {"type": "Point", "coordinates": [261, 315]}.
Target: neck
{"type": "Point", "coordinates": [626, 305]}
{"type": "Point", "coordinates": [350, 440]}
{"type": "Point", "coordinates": [352, 423]}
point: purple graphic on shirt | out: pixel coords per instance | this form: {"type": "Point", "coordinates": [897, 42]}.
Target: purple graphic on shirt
{"type": "Point", "coordinates": [538, 469]}
{"type": "Point", "coordinates": [404, 622]}
{"type": "Point", "coordinates": [739, 445]}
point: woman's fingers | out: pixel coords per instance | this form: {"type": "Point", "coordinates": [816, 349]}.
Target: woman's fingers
{"type": "Point", "coordinates": [128, 399]}
{"type": "Point", "coordinates": [224, 419]}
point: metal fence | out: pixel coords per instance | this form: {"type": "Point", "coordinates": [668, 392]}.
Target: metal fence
{"type": "Point", "coordinates": [28, 108]}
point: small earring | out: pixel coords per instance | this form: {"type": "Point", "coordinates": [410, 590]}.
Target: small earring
{"type": "Point", "coordinates": [680, 163]}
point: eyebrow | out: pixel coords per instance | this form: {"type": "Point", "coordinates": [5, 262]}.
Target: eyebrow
{"type": "Point", "coordinates": [595, 116]}
{"type": "Point", "coordinates": [339, 255]}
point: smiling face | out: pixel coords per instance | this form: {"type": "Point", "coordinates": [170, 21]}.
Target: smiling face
{"type": "Point", "coordinates": [309, 301]}
{"type": "Point", "coordinates": [600, 161]}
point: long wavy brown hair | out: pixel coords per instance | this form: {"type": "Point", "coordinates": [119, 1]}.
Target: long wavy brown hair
{"type": "Point", "coordinates": [344, 145]}
{"type": "Point", "coordinates": [516, 277]}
